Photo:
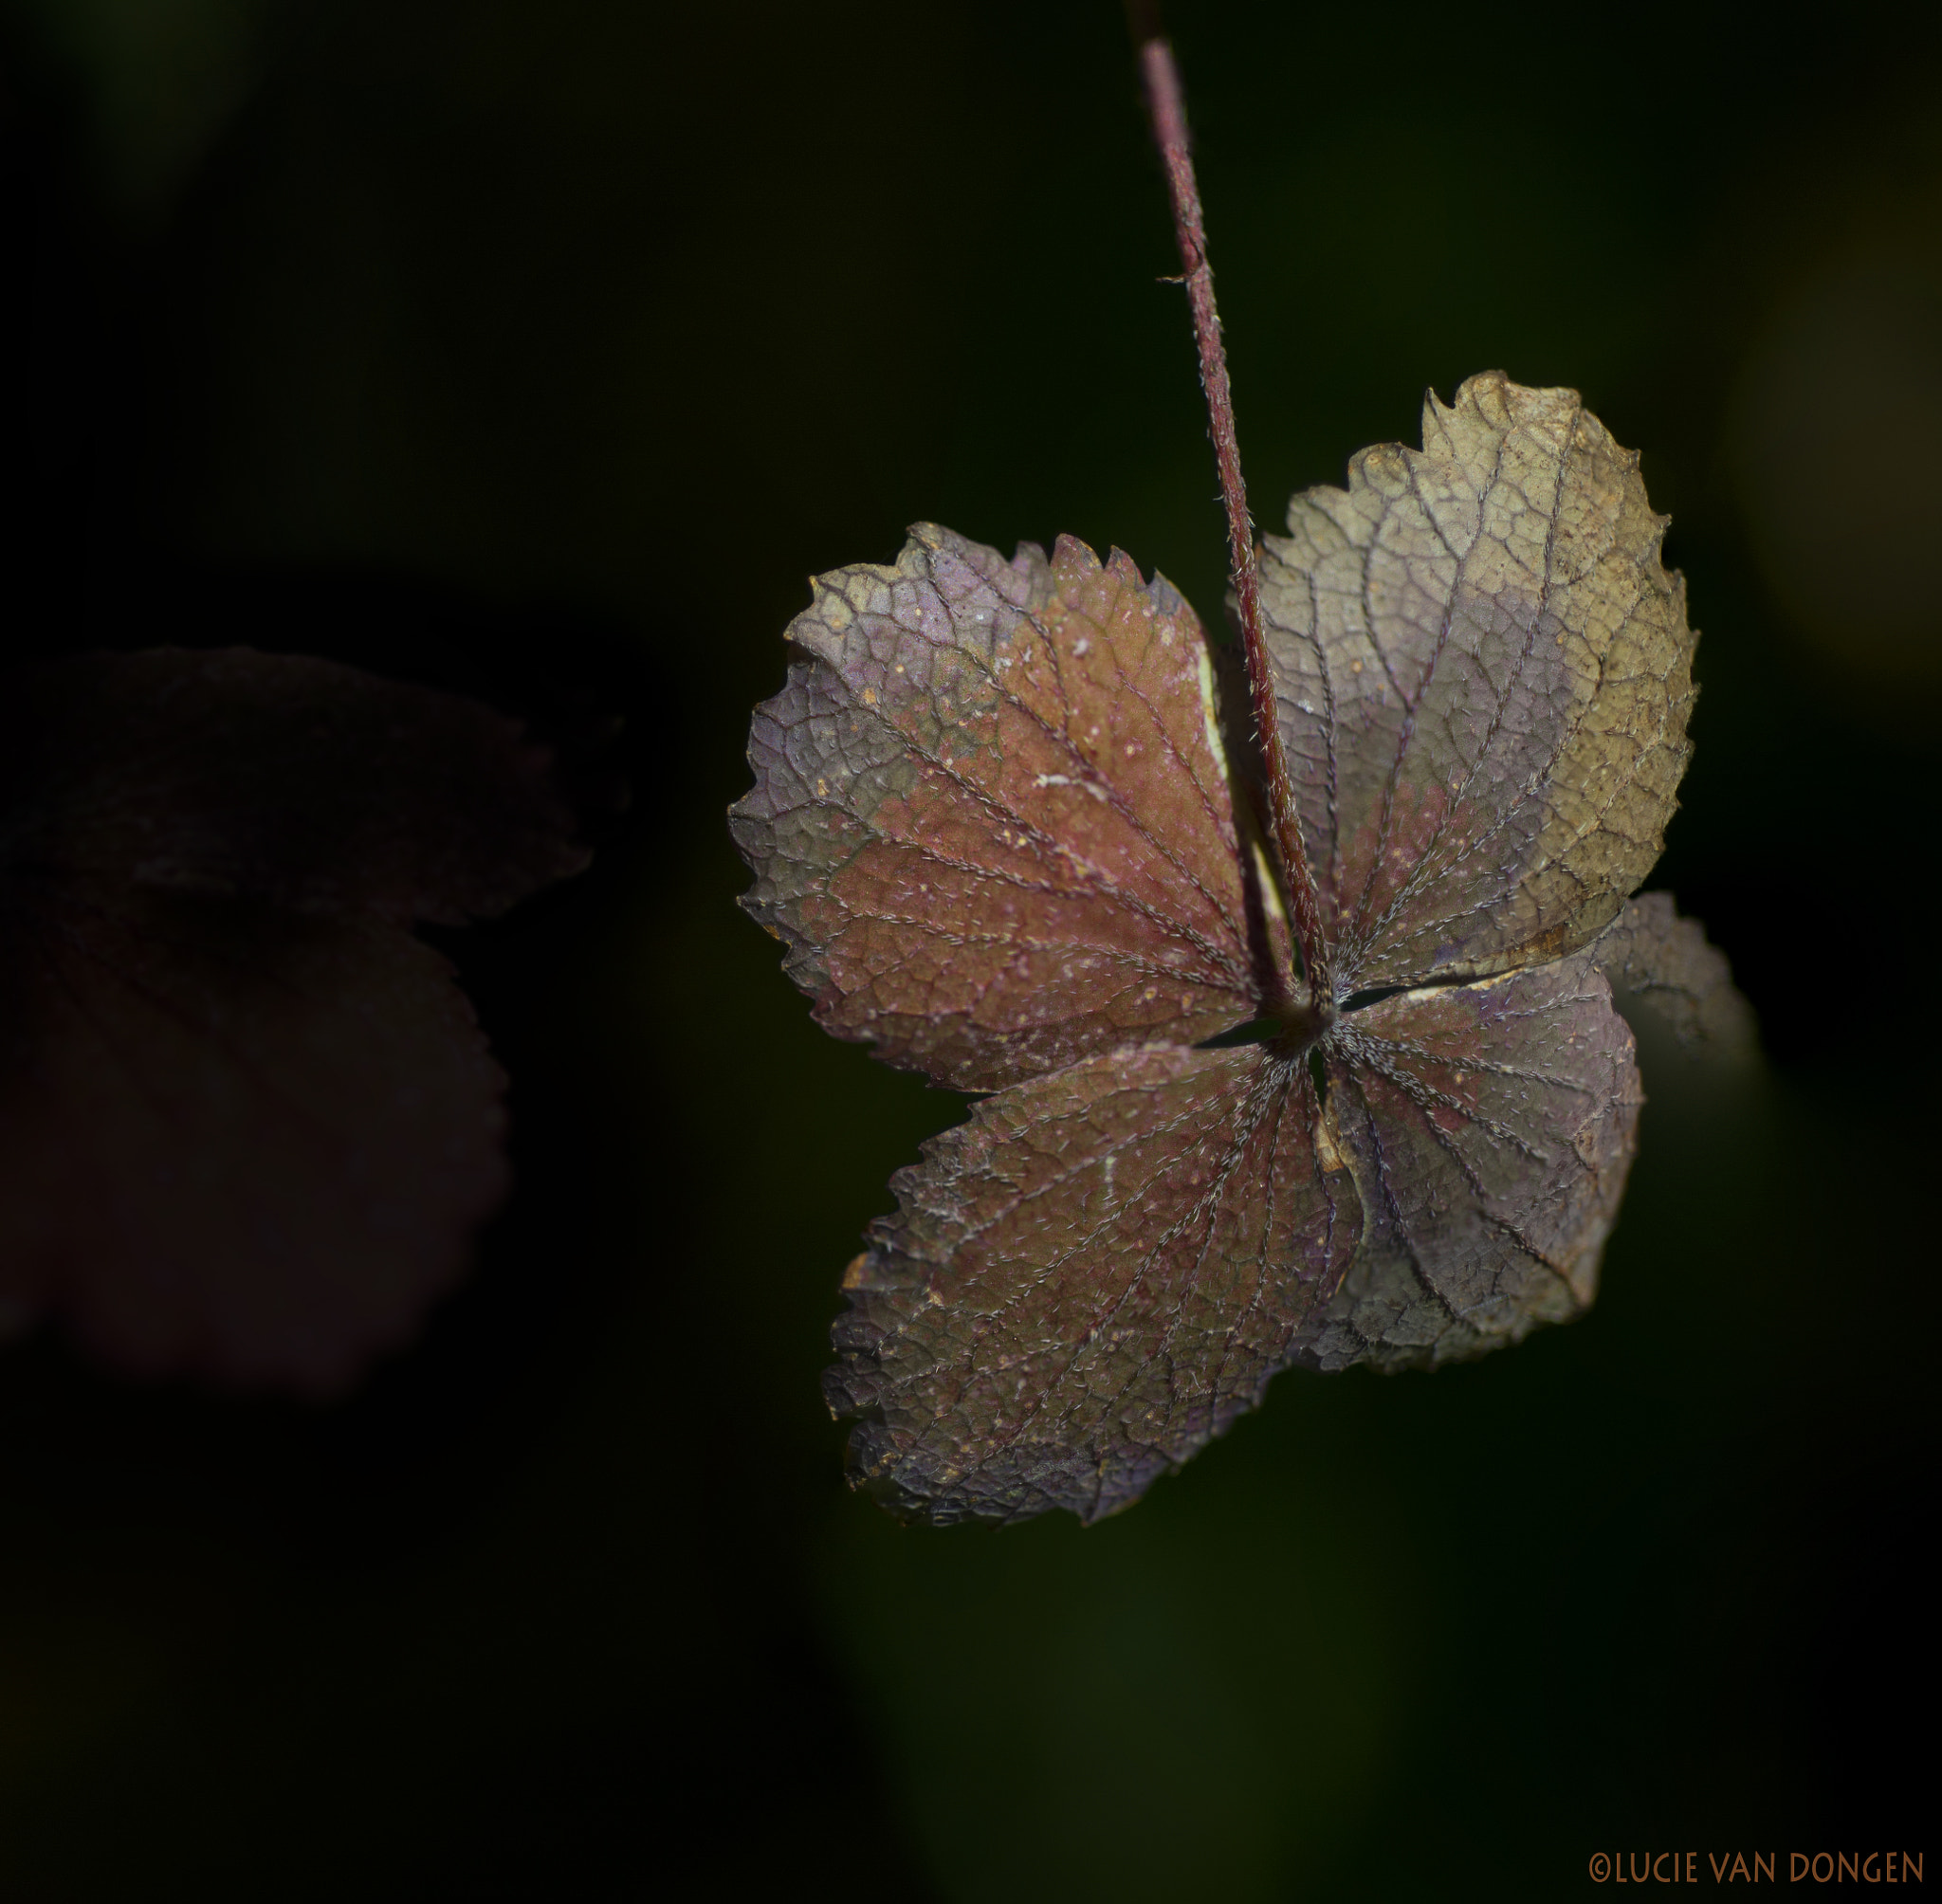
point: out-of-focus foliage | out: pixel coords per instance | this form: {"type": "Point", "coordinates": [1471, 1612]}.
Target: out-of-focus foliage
{"type": "Point", "coordinates": [248, 1124]}
{"type": "Point", "coordinates": [1837, 408]}
{"type": "Point", "coordinates": [163, 78]}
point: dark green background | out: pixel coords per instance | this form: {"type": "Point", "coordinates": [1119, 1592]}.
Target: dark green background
{"type": "Point", "coordinates": [540, 348]}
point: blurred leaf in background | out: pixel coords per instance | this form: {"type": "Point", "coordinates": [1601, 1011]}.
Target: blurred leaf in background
{"type": "Point", "coordinates": [1837, 408]}
{"type": "Point", "coordinates": [538, 352]}
{"type": "Point", "coordinates": [162, 78]}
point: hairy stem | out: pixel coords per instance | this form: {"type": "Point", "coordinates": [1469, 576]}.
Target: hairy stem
{"type": "Point", "coordinates": [1162, 79]}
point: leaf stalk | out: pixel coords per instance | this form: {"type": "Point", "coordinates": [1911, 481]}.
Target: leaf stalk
{"type": "Point", "coordinates": [1161, 78]}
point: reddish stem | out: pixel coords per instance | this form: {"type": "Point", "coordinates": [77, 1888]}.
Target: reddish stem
{"type": "Point", "coordinates": [1162, 79]}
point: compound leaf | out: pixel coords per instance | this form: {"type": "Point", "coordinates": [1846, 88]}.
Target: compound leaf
{"type": "Point", "coordinates": [992, 822]}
